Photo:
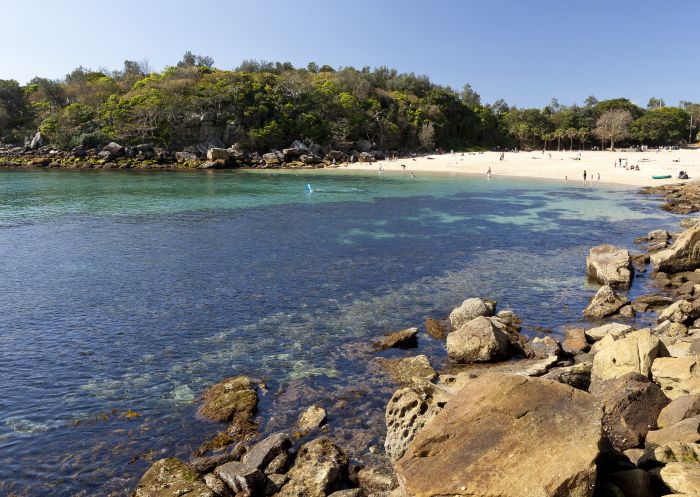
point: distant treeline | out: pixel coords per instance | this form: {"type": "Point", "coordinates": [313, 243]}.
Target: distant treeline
{"type": "Point", "coordinates": [265, 106]}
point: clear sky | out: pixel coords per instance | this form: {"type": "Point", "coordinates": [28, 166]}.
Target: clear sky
{"type": "Point", "coordinates": [525, 51]}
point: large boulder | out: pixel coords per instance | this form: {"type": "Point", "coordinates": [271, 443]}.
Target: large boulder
{"type": "Point", "coordinates": [681, 477]}
{"type": "Point", "coordinates": [264, 452]}
{"type": "Point", "coordinates": [687, 431]}
{"type": "Point", "coordinates": [214, 154]}
{"type": "Point", "coordinates": [680, 408]}
{"type": "Point", "coordinates": [233, 399]}
{"type": "Point", "coordinates": [670, 452]}
{"type": "Point", "coordinates": [37, 141]}
{"type": "Point", "coordinates": [507, 435]}
{"type": "Point", "coordinates": [615, 330]}
{"type": "Point", "coordinates": [171, 478]}
{"type": "Point", "coordinates": [319, 468]}
{"type": "Point", "coordinates": [114, 149]}
{"type": "Point", "coordinates": [678, 312]}
{"type": "Point", "coordinates": [404, 370]}
{"type": "Point", "coordinates": [605, 303]}
{"type": "Point", "coordinates": [631, 405]}
{"type": "Point", "coordinates": [479, 340]}
{"type": "Point", "coordinates": [677, 376]}
{"type": "Point", "coordinates": [610, 265]}
{"type": "Point", "coordinates": [241, 478]}
{"type": "Point", "coordinates": [633, 354]}
{"type": "Point", "coordinates": [470, 309]}
{"type": "Point", "coordinates": [683, 255]}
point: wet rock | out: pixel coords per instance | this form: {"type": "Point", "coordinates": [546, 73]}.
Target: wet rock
{"type": "Point", "coordinates": [314, 417]}
{"type": "Point", "coordinates": [437, 329]}
{"type": "Point", "coordinates": [404, 339]}
{"type": "Point", "coordinates": [605, 303]}
{"type": "Point", "coordinates": [217, 485]}
{"type": "Point", "coordinates": [404, 370]}
{"type": "Point", "coordinates": [640, 261]}
{"type": "Point", "coordinates": [679, 409]}
{"type": "Point", "coordinates": [575, 341]}
{"type": "Point", "coordinates": [683, 431]}
{"type": "Point", "coordinates": [233, 399]}
{"type": "Point", "coordinates": [241, 478]}
{"type": "Point", "coordinates": [610, 265]}
{"type": "Point", "coordinates": [634, 353]}
{"type": "Point", "coordinates": [678, 312]}
{"type": "Point", "coordinates": [577, 376]}
{"type": "Point", "coordinates": [264, 452]}
{"type": "Point", "coordinates": [651, 301]}
{"type": "Point", "coordinates": [506, 435]}
{"type": "Point", "coordinates": [470, 309]}
{"type": "Point", "coordinates": [377, 479]}
{"type": "Point", "coordinates": [631, 405]}
{"type": "Point", "coordinates": [318, 469]}
{"type": "Point", "coordinates": [683, 255]}
{"type": "Point", "coordinates": [615, 330]}
{"type": "Point", "coordinates": [479, 340]}
{"type": "Point", "coordinates": [171, 478]}
{"type": "Point", "coordinates": [682, 478]}
{"type": "Point", "coordinates": [677, 376]}
{"type": "Point", "coordinates": [541, 348]}
{"type": "Point", "coordinates": [626, 311]}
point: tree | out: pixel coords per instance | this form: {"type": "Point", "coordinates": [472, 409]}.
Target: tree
{"type": "Point", "coordinates": [590, 101]}
{"type": "Point", "coordinates": [583, 135]}
{"type": "Point", "coordinates": [662, 126]}
{"type": "Point", "coordinates": [500, 107]}
{"type": "Point", "coordinates": [426, 137]}
{"type": "Point", "coordinates": [469, 96]}
{"type": "Point", "coordinates": [571, 133]}
{"type": "Point", "coordinates": [15, 113]}
{"type": "Point", "coordinates": [559, 134]}
{"type": "Point", "coordinates": [655, 103]}
{"type": "Point", "coordinates": [191, 60]}
{"type": "Point", "coordinates": [618, 104]}
{"type": "Point", "coordinates": [613, 125]}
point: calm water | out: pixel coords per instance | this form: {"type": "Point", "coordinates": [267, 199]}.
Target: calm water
{"type": "Point", "coordinates": [126, 290]}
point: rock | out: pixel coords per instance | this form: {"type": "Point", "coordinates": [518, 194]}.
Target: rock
{"type": "Point", "coordinates": [311, 159]}
{"type": "Point", "coordinates": [278, 464]}
{"type": "Point", "coordinates": [171, 478]}
{"type": "Point", "coordinates": [376, 479]}
{"type": "Point", "coordinates": [650, 301]}
{"type": "Point", "coordinates": [292, 154]}
{"type": "Point", "coordinates": [601, 344]}
{"type": "Point", "coordinates": [144, 147]}
{"type": "Point", "coordinates": [626, 311]}
{"type": "Point", "coordinates": [114, 149]}
{"type": "Point", "coordinates": [632, 354]}
{"type": "Point", "coordinates": [677, 376]}
{"type": "Point", "coordinates": [37, 141]}
{"type": "Point", "coordinates": [682, 478]}
{"type": "Point", "coordinates": [273, 158]}
{"type": "Point", "coordinates": [676, 330]}
{"type": "Point", "coordinates": [241, 478]}
{"type": "Point", "coordinates": [231, 399]}
{"type": "Point", "coordinates": [350, 492]}
{"type": "Point", "coordinates": [275, 483]}
{"type": "Point", "coordinates": [479, 340]}
{"type": "Point", "coordinates": [405, 339]}
{"type": "Point", "coordinates": [214, 154]}
{"type": "Point", "coordinates": [683, 255]}
{"type": "Point", "coordinates": [408, 410]}
{"type": "Point", "coordinates": [683, 431]}
{"type": "Point", "coordinates": [437, 329]}
{"type": "Point", "coordinates": [610, 265]}
{"type": "Point", "coordinates": [680, 408]}
{"type": "Point", "coordinates": [616, 330]}
{"type": "Point", "coordinates": [217, 485]}
{"type": "Point", "coordinates": [634, 455]}
{"type": "Point", "coordinates": [314, 417]}
{"type": "Point", "coordinates": [575, 341]}
{"type": "Point", "coordinates": [470, 309]}
{"type": "Point", "coordinates": [506, 435]}
{"type": "Point", "coordinates": [605, 303]}
{"type": "Point", "coordinates": [670, 452]}
{"type": "Point", "coordinates": [631, 404]}
{"type": "Point", "coordinates": [689, 222]}
{"type": "Point", "coordinates": [182, 157]}
{"type": "Point", "coordinates": [640, 261]}
{"type": "Point", "coordinates": [337, 155]}
{"type": "Point", "coordinates": [633, 483]}
{"type": "Point", "coordinates": [264, 452]}
{"type": "Point", "coordinates": [319, 467]}
{"type": "Point", "coordinates": [404, 370]}
{"type": "Point", "coordinates": [678, 312]}
{"type": "Point", "coordinates": [541, 348]}
{"type": "Point", "coordinates": [577, 376]}
{"type": "Point", "coordinates": [685, 346]}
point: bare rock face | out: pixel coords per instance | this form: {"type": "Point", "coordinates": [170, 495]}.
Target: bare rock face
{"type": "Point", "coordinates": [610, 265]}
{"type": "Point", "coordinates": [232, 399]}
{"type": "Point", "coordinates": [171, 478]}
{"type": "Point", "coordinates": [470, 309]}
{"type": "Point", "coordinates": [605, 303]}
{"type": "Point", "coordinates": [507, 435]}
{"type": "Point", "coordinates": [479, 340]}
{"type": "Point", "coordinates": [633, 354]}
{"type": "Point", "coordinates": [631, 404]}
{"type": "Point", "coordinates": [677, 376]}
{"type": "Point", "coordinates": [318, 469]}
{"type": "Point", "coordinates": [683, 255]}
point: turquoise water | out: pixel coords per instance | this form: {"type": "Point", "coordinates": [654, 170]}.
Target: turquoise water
{"type": "Point", "coordinates": [136, 290]}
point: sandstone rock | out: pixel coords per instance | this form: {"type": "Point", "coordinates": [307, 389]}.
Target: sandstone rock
{"type": "Point", "coordinates": [631, 405]}
{"type": "Point", "coordinates": [37, 141]}
{"type": "Point", "coordinates": [376, 479]}
{"type": "Point", "coordinates": [616, 330]}
{"type": "Point", "coordinates": [404, 339]}
{"type": "Point", "coordinates": [312, 418]}
{"type": "Point", "coordinates": [470, 309]}
{"type": "Point", "coordinates": [610, 265]}
{"type": "Point", "coordinates": [633, 354]}
{"type": "Point", "coordinates": [577, 376]}
{"type": "Point", "coordinates": [182, 157]}
{"type": "Point", "coordinates": [650, 301]}
{"type": "Point", "coordinates": [319, 467]}
{"type": "Point", "coordinates": [601, 344]}
{"type": "Point", "coordinates": [437, 329]}
{"type": "Point", "coordinates": [685, 347]}
{"type": "Point", "coordinates": [350, 492]}
{"type": "Point", "coordinates": [232, 399]}
{"type": "Point", "coordinates": [171, 478]}
{"type": "Point", "coordinates": [683, 255]}
{"type": "Point", "coordinates": [677, 376]}
{"type": "Point", "coordinates": [682, 478]}
{"type": "Point", "coordinates": [683, 431]}
{"type": "Point", "coordinates": [214, 154]}
{"type": "Point", "coordinates": [264, 452]}
{"type": "Point", "coordinates": [678, 312]}
{"type": "Point", "coordinates": [506, 435]}
{"type": "Point", "coordinates": [670, 452]}
{"type": "Point", "coordinates": [640, 261]}
{"type": "Point", "coordinates": [605, 303]}
{"type": "Point", "coordinates": [680, 408]}
{"type": "Point", "coordinates": [241, 478]}
{"type": "Point", "coordinates": [541, 348]}
{"type": "Point", "coordinates": [275, 482]}
{"type": "Point", "coordinates": [575, 341]}
{"type": "Point", "coordinates": [634, 455]}
{"type": "Point", "coordinates": [404, 370]}
{"type": "Point", "coordinates": [626, 311]}
{"type": "Point", "coordinates": [479, 340]}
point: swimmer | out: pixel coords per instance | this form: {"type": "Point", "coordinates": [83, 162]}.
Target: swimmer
{"type": "Point", "coordinates": [308, 188]}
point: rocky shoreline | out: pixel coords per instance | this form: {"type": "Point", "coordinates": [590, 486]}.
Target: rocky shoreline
{"type": "Point", "coordinates": [610, 411]}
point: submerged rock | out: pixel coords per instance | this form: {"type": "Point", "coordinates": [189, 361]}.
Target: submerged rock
{"type": "Point", "coordinates": [233, 399]}
{"type": "Point", "coordinates": [610, 265]}
{"type": "Point", "coordinates": [312, 418]}
{"type": "Point", "coordinates": [171, 478]}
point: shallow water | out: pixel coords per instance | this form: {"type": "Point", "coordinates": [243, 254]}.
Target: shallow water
{"type": "Point", "coordinates": [136, 290]}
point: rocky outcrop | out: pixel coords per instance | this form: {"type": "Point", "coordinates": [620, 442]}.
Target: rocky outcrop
{"type": "Point", "coordinates": [506, 435]}
{"type": "Point", "coordinates": [233, 399]}
{"type": "Point", "coordinates": [683, 255]}
{"type": "Point", "coordinates": [633, 354]}
{"type": "Point", "coordinates": [171, 478]}
{"type": "Point", "coordinates": [605, 303]}
{"type": "Point", "coordinates": [479, 340]}
{"type": "Point", "coordinates": [610, 266]}
{"type": "Point", "coordinates": [319, 468]}
{"type": "Point", "coordinates": [470, 309]}
{"type": "Point", "coordinates": [677, 376]}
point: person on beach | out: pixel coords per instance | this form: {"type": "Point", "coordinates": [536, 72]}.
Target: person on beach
{"type": "Point", "coordinates": [413, 176]}
{"type": "Point", "coordinates": [598, 176]}
{"type": "Point", "coordinates": [584, 175]}
{"type": "Point", "coordinates": [403, 167]}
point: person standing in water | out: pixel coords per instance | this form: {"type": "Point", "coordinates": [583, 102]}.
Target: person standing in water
{"type": "Point", "coordinates": [584, 175]}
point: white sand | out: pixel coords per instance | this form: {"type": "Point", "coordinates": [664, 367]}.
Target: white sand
{"type": "Point", "coordinates": [562, 165]}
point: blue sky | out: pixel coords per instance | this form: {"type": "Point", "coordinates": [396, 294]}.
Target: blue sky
{"type": "Point", "coordinates": [523, 51]}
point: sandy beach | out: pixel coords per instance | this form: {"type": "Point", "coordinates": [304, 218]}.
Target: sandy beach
{"type": "Point", "coordinates": [562, 165]}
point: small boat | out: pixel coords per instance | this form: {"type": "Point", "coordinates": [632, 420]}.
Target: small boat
{"type": "Point", "coordinates": [661, 176]}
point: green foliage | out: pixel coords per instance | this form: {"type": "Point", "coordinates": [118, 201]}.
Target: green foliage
{"type": "Point", "coordinates": [15, 111]}
{"type": "Point", "coordinates": [660, 126]}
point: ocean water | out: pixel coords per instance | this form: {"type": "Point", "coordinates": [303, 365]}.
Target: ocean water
{"type": "Point", "coordinates": [136, 290]}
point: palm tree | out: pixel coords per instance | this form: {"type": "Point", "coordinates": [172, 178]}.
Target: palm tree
{"type": "Point", "coordinates": [559, 134]}
{"type": "Point", "coordinates": [583, 135]}
{"type": "Point", "coordinates": [571, 133]}
{"type": "Point", "coordinates": [546, 138]}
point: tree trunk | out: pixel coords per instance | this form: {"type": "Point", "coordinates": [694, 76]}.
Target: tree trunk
{"type": "Point", "coordinates": [571, 144]}
{"type": "Point", "coordinates": [558, 144]}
